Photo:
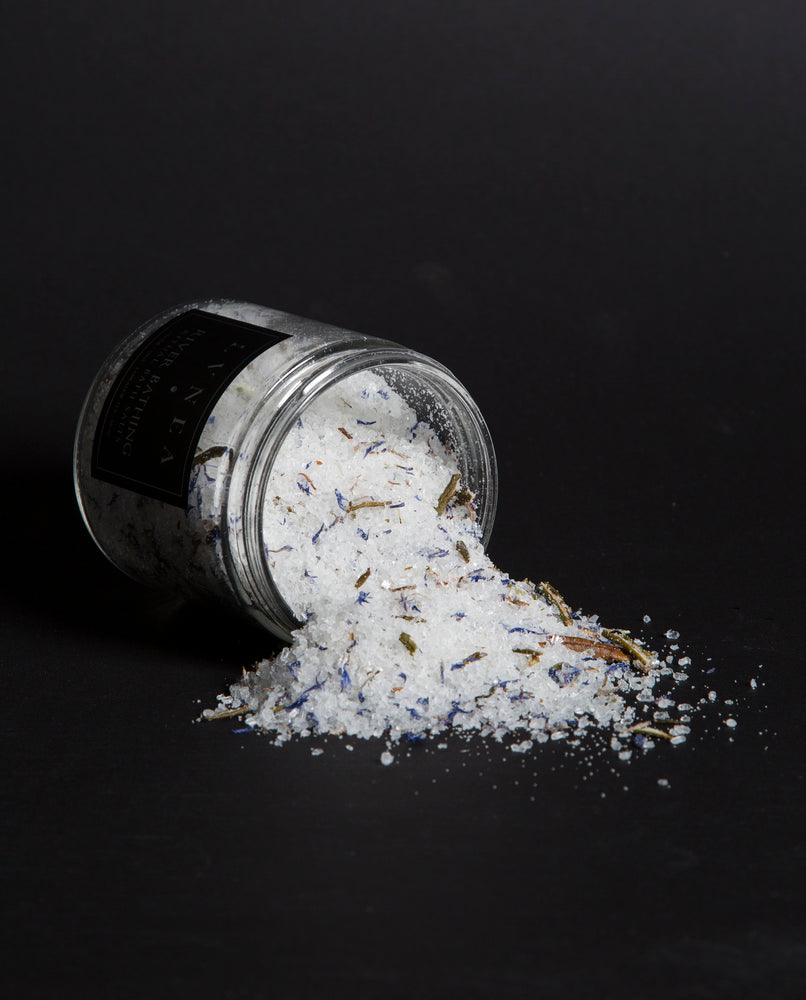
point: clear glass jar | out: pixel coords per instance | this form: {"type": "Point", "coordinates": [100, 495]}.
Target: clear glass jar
{"type": "Point", "coordinates": [180, 429]}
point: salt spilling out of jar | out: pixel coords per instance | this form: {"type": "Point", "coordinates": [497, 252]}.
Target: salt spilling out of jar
{"type": "Point", "coordinates": [409, 628]}
{"type": "Point", "coordinates": [341, 489]}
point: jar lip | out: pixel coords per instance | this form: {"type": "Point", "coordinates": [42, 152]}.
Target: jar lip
{"type": "Point", "coordinates": [264, 437]}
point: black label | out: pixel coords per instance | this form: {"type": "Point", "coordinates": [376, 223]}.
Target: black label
{"type": "Point", "coordinates": [156, 410]}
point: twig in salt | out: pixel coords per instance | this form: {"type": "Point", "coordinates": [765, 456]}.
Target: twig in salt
{"type": "Point", "coordinates": [353, 507]}
{"type": "Point", "coordinates": [224, 713]}
{"type": "Point", "coordinates": [362, 579]}
{"type": "Point", "coordinates": [447, 493]}
{"type": "Point", "coordinates": [646, 730]}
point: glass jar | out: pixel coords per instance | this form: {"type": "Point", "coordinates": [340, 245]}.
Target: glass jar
{"type": "Point", "coordinates": [180, 429]}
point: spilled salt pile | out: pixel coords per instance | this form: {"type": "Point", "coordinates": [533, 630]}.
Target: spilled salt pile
{"type": "Point", "coordinates": [409, 629]}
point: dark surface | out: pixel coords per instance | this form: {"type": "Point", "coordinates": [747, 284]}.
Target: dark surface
{"type": "Point", "coordinates": [594, 214]}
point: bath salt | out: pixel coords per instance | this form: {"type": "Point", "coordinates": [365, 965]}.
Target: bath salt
{"type": "Point", "coordinates": [407, 628]}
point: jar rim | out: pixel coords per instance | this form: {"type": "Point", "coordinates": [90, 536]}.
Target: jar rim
{"type": "Point", "coordinates": [267, 433]}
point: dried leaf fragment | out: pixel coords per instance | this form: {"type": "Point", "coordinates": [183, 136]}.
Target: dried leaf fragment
{"type": "Point", "coordinates": [217, 451]}
{"type": "Point", "coordinates": [533, 654]}
{"type": "Point", "coordinates": [464, 496]}
{"type": "Point", "coordinates": [408, 642]}
{"type": "Point", "coordinates": [553, 596]}
{"type": "Point", "coordinates": [604, 650]}
{"type": "Point", "coordinates": [638, 654]}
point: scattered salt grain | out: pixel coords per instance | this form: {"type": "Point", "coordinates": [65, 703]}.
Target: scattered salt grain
{"type": "Point", "coordinates": [386, 758]}
{"type": "Point", "coordinates": [663, 782]}
{"type": "Point", "coordinates": [732, 723]}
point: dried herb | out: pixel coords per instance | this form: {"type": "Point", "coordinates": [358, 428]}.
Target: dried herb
{"type": "Point", "coordinates": [408, 642]}
{"type": "Point", "coordinates": [642, 657]}
{"type": "Point", "coordinates": [533, 654]}
{"type": "Point", "coordinates": [447, 493]}
{"type": "Point", "coordinates": [554, 597]}
{"type": "Point", "coordinates": [224, 713]}
{"type": "Point", "coordinates": [645, 729]}
{"type": "Point", "coordinates": [604, 650]}
{"type": "Point", "coordinates": [468, 659]}
{"type": "Point", "coordinates": [362, 579]}
{"type": "Point", "coordinates": [346, 434]}
{"type": "Point", "coordinates": [482, 697]}
{"type": "Point", "coordinates": [461, 548]}
{"type": "Point", "coordinates": [217, 451]}
{"type": "Point", "coordinates": [353, 507]}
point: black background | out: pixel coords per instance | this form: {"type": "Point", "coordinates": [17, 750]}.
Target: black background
{"type": "Point", "coordinates": [594, 214]}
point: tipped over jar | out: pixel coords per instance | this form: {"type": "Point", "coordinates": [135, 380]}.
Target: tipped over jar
{"type": "Point", "coordinates": [182, 425]}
